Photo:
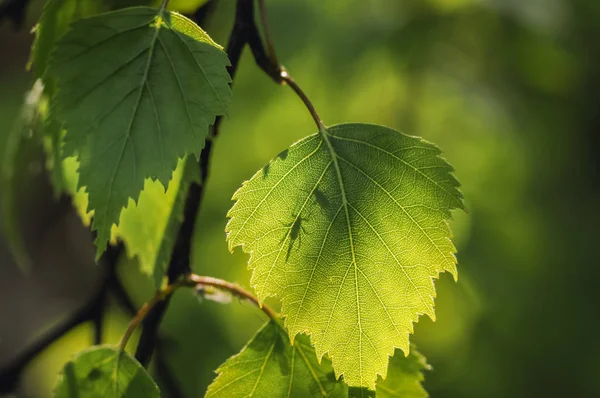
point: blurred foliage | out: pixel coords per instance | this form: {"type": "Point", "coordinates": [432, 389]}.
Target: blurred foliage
{"type": "Point", "coordinates": [509, 90]}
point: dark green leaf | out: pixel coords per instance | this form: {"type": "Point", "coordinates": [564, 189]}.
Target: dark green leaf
{"type": "Point", "coordinates": [105, 371]}
{"type": "Point", "coordinates": [149, 102]}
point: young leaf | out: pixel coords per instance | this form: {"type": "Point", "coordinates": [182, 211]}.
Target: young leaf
{"type": "Point", "coordinates": [137, 89]}
{"type": "Point", "coordinates": [349, 228]}
{"type": "Point", "coordinates": [404, 378]}
{"type": "Point", "coordinates": [148, 227]}
{"type": "Point", "coordinates": [105, 371]}
{"type": "Point", "coordinates": [270, 367]}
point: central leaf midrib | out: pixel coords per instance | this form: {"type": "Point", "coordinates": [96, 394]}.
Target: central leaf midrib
{"type": "Point", "coordinates": [135, 110]}
{"type": "Point", "coordinates": [264, 365]}
{"type": "Point", "coordinates": [298, 347]}
{"type": "Point", "coordinates": [325, 134]}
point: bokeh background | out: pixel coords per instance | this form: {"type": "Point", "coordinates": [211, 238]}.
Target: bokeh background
{"type": "Point", "coordinates": [509, 89]}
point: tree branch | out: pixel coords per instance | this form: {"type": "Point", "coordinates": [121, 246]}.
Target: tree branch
{"type": "Point", "coordinates": [267, 61]}
{"type": "Point", "coordinates": [179, 264]}
{"type": "Point", "coordinates": [198, 282]}
{"type": "Point", "coordinates": [234, 289]}
{"type": "Point", "coordinates": [92, 310]}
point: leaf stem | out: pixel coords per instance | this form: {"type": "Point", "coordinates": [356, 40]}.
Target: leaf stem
{"type": "Point", "coordinates": [195, 281]}
{"type": "Point", "coordinates": [285, 76]}
{"type": "Point", "coordinates": [141, 314]}
{"type": "Point", "coordinates": [267, 60]}
{"type": "Point", "coordinates": [266, 32]}
{"type": "Point", "coordinates": [232, 288]}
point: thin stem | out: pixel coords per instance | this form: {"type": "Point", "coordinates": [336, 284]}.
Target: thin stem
{"type": "Point", "coordinates": [313, 112]}
{"type": "Point", "coordinates": [266, 32]}
{"type": "Point", "coordinates": [267, 60]}
{"type": "Point", "coordinates": [164, 5]}
{"type": "Point", "coordinates": [141, 314]}
{"type": "Point", "coordinates": [232, 288]}
{"type": "Point", "coordinates": [195, 281]}
{"type": "Point", "coordinates": [11, 372]}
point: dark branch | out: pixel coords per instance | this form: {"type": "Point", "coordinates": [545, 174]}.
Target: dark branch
{"type": "Point", "coordinates": [91, 311]}
{"type": "Point", "coordinates": [245, 11]}
{"type": "Point", "coordinates": [180, 258]}
{"type": "Point", "coordinates": [204, 12]}
{"type": "Point", "coordinates": [244, 32]}
{"type": "Point", "coordinates": [267, 61]}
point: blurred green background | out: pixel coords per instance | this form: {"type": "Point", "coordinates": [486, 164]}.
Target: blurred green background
{"type": "Point", "coordinates": [509, 89]}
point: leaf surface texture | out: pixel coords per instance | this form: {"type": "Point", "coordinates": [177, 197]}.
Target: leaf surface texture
{"type": "Point", "coordinates": [270, 367]}
{"type": "Point", "coordinates": [105, 371]}
{"type": "Point", "coordinates": [349, 227]}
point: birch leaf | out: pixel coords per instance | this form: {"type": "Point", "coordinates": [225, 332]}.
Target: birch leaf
{"type": "Point", "coordinates": [349, 227]}
{"type": "Point", "coordinates": [149, 102]}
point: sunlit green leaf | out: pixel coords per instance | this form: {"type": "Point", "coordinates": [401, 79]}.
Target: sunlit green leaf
{"type": "Point", "coordinates": [149, 228]}
{"type": "Point", "coordinates": [405, 375]}
{"type": "Point", "coordinates": [349, 227]}
{"type": "Point", "coordinates": [404, 378]}
{"type": "Point", "coordinates": [160, 84]}
{"type": "Point", "coordinates": [270, 367]}
{"type": "Point", "coordinates": [105, 371]}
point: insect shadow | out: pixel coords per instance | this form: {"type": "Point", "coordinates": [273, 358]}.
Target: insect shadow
{"type": "Point", "coordinates": [297, 226]}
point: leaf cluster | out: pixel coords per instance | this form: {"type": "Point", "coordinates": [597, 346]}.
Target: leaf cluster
{"type": "Point", "coordinates": [348, 227]}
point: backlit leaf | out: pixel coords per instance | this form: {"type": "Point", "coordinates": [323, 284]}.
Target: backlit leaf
{"type": "Point", "coordinates": [150, 100]}
{"type": "Point", "coordinates": [149, 227]}
{"type": "Point", "coordinates": [349, 227]}
{"type": "Point", "coordinates": [404, 378]}
{"type": "Point", "coordinates": [270, 367]}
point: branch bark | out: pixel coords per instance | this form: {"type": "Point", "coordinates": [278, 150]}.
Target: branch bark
{"type": "Point", "coordinates": [180, 259]}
